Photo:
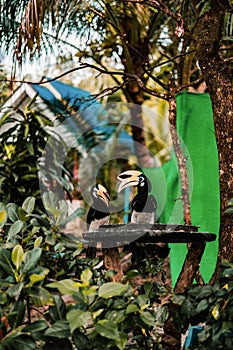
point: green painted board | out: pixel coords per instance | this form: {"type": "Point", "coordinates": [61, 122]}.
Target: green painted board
{"type": "Point", "coordinates": [196, 131]}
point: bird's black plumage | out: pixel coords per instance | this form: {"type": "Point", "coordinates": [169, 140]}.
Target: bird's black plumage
{"type": "Point", "coordinates": [98, 213]}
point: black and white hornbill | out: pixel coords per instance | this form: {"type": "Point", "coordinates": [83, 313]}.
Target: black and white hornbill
{"type": "Point", "coordinates": [143, 204]}
{"type": "Point", "coordinates": [98, 214]}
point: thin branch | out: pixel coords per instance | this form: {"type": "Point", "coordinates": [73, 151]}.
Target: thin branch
{"type": "Point", "coordinates": [170, 60]}
{"type": "Point", "coordinates": [164, 86]}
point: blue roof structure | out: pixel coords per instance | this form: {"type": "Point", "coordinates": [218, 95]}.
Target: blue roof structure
{"type": "Point", "coordinates": [84, 115]}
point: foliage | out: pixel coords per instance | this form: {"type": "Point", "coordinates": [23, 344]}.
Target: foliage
{"type": "Point", "coordinates": [211, 306]}
{"type": "Point", "coordinates": [5, 88]}
{"type": "Point", "coordinates": [40, 267]}
{"type": "Point", "coordinates": [23, 138]}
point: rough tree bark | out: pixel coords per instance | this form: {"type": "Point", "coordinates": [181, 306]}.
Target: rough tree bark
{"type": "Point", "coordinates": [218, 74]}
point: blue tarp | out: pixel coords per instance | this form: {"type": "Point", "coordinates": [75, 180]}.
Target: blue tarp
{"type": "Point", "coordinates": [89, 116]}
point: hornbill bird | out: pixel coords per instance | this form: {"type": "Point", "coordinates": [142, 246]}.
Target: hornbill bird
{"type": "Point", "coordinates": [98, 214]}
{"type": "Point", "coordinates": [143, 204]}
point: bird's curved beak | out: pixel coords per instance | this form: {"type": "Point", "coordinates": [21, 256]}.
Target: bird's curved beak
{"type": "Point", "coordinates": [103, 194]}
{"type": "Point", "coordinates": [128, 178]}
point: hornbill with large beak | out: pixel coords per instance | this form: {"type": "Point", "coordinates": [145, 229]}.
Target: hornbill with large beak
{"type": "Point", "coordinates": [143, 204]}
{"type": "Point", "coordinates": [98, 214]}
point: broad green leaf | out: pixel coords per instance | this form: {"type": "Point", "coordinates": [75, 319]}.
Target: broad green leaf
{"type": "Point", "coordinates": [17, 256]}
{"type": "Point", "coordinates": [59, 330]}
{"type": "Point", "coordinates": [17, 314]}
{"type": "Point", "coordinates": [15, 290]}
{"type": "Point", "coordinates": [36, 329]}
{"type": "Point", "coordinates": [12, 211]}
{"type": "Point", "coordinates": [80, 340]}
{"type": "Point", "coordinates": [66, 286]}
{"type": "Point", "coordinates": [131, 308]}
{"type": "Point", "coordinates": [112, 289]}
{"type": "Point", "coordinates": [31, 258]}
{"type": "Point", "coordinates": [5, 262]}
{"type": "Point", "coordinates": [116, 316]}
{"type": "Point", "coordinates": [107, 329]}
{"type": "Point", "coordinates": [15, 228]}
{"type": "Point", "coordinates": [203, 305]}
{"type": "Point", "coordinates": [3, 214]}
{"type": "Point", "coordinates": [122, 340]}
{"type": "Point", "coordinates": [19, 341]}
{"type": "Point", "coordinates": [90, 291]}
{"type": "Point", "coordinates": [29, 204]}
{"type": "Point", "coordinates": [78, 318]}
{"type": "Point", "coordinates": [86, 276]}
{"type": "Point", "coordinates": [40, 296]}
{"type": "Point", "coordinates": [50, 201]}
{"type": "Point", "coordinates": [142, 301]}
{"type": "Point", "coordinates": [147, 318]}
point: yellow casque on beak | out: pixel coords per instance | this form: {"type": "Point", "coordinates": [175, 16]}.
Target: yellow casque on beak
{"type": "Point", "coordinates": [128, 178]}
{"type": "Point", "coordinates": [103, 193]}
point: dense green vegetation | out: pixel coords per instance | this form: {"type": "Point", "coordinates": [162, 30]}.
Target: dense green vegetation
{"type": "Point", "coordinates": [52, 297]}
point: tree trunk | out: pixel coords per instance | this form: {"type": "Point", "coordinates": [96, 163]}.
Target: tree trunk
{"type": "Point", "coordinates": [218, 74]}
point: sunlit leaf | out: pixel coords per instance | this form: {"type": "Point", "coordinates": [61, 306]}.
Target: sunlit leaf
{"type": "Point", "coordinates": [78, 318]}
{"type": "Point", "coordinates": [216, 312]}
{"type": "Point", "coordinates": [3, 214]}
{"type": "Point", "coordinates": [34, 278]}
{"type": "Point", "coordinates": [29, 205]}
{"type": "Point", "coordinates": [38, 241]}
{"type": "Point", "coordinates": [17, 256]}
{"type": "Point", "coordinates": [112, 289]}
{"type": "Point", "coordinates": [66, 286]}
{"type": "Point", "coordinates": [86, 276]}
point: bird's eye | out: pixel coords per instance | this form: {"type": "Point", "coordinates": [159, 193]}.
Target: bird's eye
{"type": "Point", "coordinates": [141, 180]}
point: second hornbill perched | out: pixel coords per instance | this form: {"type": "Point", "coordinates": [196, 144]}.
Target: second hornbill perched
{"type": "Point", "coordinates": [143, 204]}
{"type": "Point", "coordinates": [98, 214]}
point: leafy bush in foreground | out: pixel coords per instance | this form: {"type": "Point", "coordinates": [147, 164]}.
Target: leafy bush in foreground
{"type": "Point", "coordinates": [51, 297]}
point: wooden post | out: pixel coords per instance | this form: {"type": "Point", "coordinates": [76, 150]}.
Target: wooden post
{"type": "Point", "coordinates": [112, 262]}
